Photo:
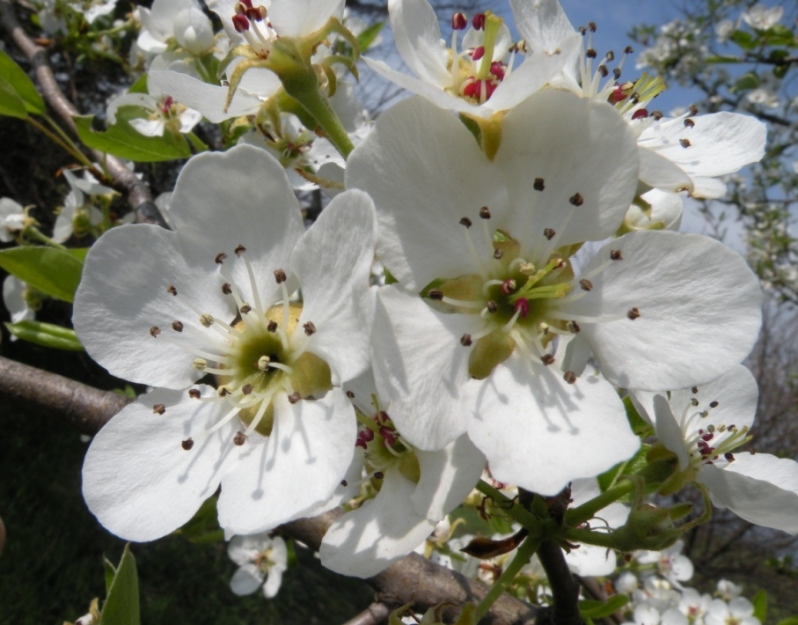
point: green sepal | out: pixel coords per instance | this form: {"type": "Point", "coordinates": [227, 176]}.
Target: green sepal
{"type": "Point", "coordinates": [45, 334]}
{"type": "Point", "coordinates": [124, 141]}
{"type": "Point", "coordinates": [52, 271]}
{"type": "Point", "coordinates": [367, 36]}
{"type": "Point", "coordinates": [23, 86]}
{"type": "Point", "coordinates": [121, 606]}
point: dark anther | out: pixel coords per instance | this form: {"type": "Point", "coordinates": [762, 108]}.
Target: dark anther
{"type": "Point", "coordinates": [158, 408]}
{"type": "Point", "coordinates": [616, 73]}
{"type": "Point", "coordinates": [435, 294]}
{"type": "Point", "coordinates": [247, 389]}
{"type": "Point", "coordinates": [694, 389]}
{"type": "Point", "coordinates": [378, 475]}
{"type": "Point", "coordinates": [344, 483]}
{"type": "Point", "coordinates": [591, 53]}
{"type": "Point", "coordinates": [549, 233]}
{"type": "Point", "coordinates": [223, 391]}
{"type": "Point", "coordinates": [616, 255]}
{"type": "Point", "coordinates": [245, 308]}
{"type": "Point", "coordinates": [610, 56]}
{"type": "Point", "coordinates": [492, 306]}
{"type": "Point", "coordinates": [187, 444]}
{"type": "Point", "coordinates": [602, 69]}
{"type": "Point", "coordinates": [194, 393]}
{"type": "Point", "coordinates": [592, 26]}
{"type": "Point", "coordinates": [569, 376]}
{"type": "Point", "coordinates": [220, 258]}
{"type": "Point", "coordinates": [539, 185]}
{"type": "Point", "coordinates": [272, 327]}
{"type": "Point", "coordinates": [459, 21]}
{"type": "Point", "coordinates": [484, 212]}
{"type": "Point", "coordinates": [155, 331]}
{"type": "Point", "coordinates": [498, 253]}
{"type": "Point", "coordinates": [713, 404]}
{"type": "Point", "coordinates": [226, 288]}
{"type": "Point", "coordinates": [177, 326]}
{"type": "Point", "coordinates": [685, 143]}
{"type": "Point", "coordinates": [465, 340]}
{"type": "Point", "coordinates": [633, 313]}
{"type": "Point", "coordinates": [576, 199]}
{"type": "Point", "coordinates": [586, 284]}
{"type": "Point", "coordinates": [628, 50]}
{"type": "Point", "coordinates": [729, 456]}
{"type": "Point", "coordinates": [574, 327]}
{"type": "Point", "coordinates": [309, 327]}
{"type": "Point", "coordinates": [280, 276]}
{"type": "Point", "coordinates": [294, 397]}
{"type": "Point", "coordinates": [547, 359]}
{"type": "Point", "coordinates": [171, 289]}
{"type": "Point", "coordinates": [693, 109]}
{"type": "Point", "coordinates": [350, 394]}
{"type": "Point", "coordinates": [657, 115]}
{"type": "Point", "coordinates": [239, 439]}
{"type": "Point", "coordinates": [689, 123]}
{"type": "Point", "coordinates": [465, 221]}
{"type": "Point", "coordinates": [240, 249]}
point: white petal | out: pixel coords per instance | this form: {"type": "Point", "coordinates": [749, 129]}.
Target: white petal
{"type": "Point", "coordinates": [333, 263]}
{"type": "Point", "coordinates": [659, 172]}
{"type": "Point", "coordinates": [14, 300]}
{"type": "Point", "coordinates": [366, 541]}
{"type": "Point", "coordinates": [123, 294]}
{"type": "Point", "coordinates": [539, 432]}
{"type": "Point", "coordinates": [541, 23]}
{"type": "Point", "coordinates": [576, 146]}
{"type": "Point", "coordinates": [246, 580]}
{"type": "Point", "coordinates": [420, 367]}
{"type": "Point", "coordinates": [699, 306]}
{"type": "Point", "coordinates": [417, 36]}
{"type": "Point", "coordinates": [669, 431]}
{"type": "Point", "coordinates": [294, 18]}
{"type": "Point", "coordinates": [148, 127]}
{"type": "Point", "coordinates": [447, 476]}
{"type": "Point", "coordinates": [419, 164]}
{"type": "Point", "coordinates": [273, 581]}
{"type": "Point", "coordinates": [759, 488]}
{"type": "Point", "coordinates": [296, 468]}
{"type": "Point", "coordinates": [138, 480]}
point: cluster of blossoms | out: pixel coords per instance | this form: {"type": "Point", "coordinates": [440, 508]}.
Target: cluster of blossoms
{"type": "Point", "coordinates": [525, 207]}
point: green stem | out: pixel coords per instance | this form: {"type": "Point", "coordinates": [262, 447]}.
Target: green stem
{"type": "Point", "coordinates": [576, 516]}
{"type": "Point", "coordinates": [32, 232]}
{"type": "Point", "coordinates": [65, 144]}
{"type": "Point", "coordinates": [515, 510]}
{"type": "Point", "coordinates": [521, 559]}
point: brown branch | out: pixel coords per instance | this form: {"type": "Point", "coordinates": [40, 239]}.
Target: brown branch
{"type": "Point", "coordinates": [412, 580]}
{"type": "Point", "coordinates": [122, 178]}
{"type": "Point", "coordinates": [375, 614]}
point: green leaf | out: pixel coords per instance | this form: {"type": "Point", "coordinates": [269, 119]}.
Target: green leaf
{"type": "Point", "coordinates": [11, 105]}
{"type": "Point", "coordinates": [790, 620]}
{"type": "Point", "coordinates": [743, 39]}
{"type": "Point", "coordinates": [631, 466]}
{"type": "Point", "coordinates": [126, 142]}
{"type": "Point", "coordinates": [722, 58]}
{"type": "Point", "coordinates": [745, 82]}
{"type": "Point", "coordinates": [52, 271]}
{"type": "Point", "coordinates": [21, 84]}
{"type": "Point", "coordinates": [45, 334]}
{"type": "Point", "coordinates": [110, 571]}
{"type": "Point", "coordinates": [760, 602]}
{"type": "Point", "coordinates": [204, 526]}
{"type": "Point", "coordinates": [367, 37]}
{"type": "Point", "coordinates": [79, 252]}
{"type": "Point", "coordinates": [639, 425]}
{"type": "Point", "coordinates": [140, 86]}
{"type": "Point", "coordinates": [121, 606]}
{"type": "Point", "coordinates": [602, 609]}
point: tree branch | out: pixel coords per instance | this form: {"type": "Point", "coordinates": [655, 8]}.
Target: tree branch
{"type": "Point", "coordinates": [122, 178]}
{"type": "Point", "coordinates": [375, 614]}
{"type": "Point", "coordinates": [412, 580]}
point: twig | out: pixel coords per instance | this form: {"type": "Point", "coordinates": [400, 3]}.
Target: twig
{"type": "Point", "coordinates": [564, 588]}
{"type": "Point", "coordinates": [138, 192]}
{"type": "Point", "coordinates": [411, 580]}
{"type": "Point", "coordinates": [376, 614]}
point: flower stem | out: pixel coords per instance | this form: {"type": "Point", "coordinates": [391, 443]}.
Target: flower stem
{"type": "Point", "coordinates": [32, 232]}
{"type": "Point", "coordinates": [521, 559]}
{"type": "Point", "coordinates": [517, 512]}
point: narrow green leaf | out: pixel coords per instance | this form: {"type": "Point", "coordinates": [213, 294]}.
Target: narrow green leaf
{"type": "Point", "coordinates": [367, 36]}
{"type": "Point", "coordinates": [110, 571]}
{"type": "Point", "coordinates": [121, 606]}
{"type": "Point", "coordinates": [11, 105]}
{"type": "Point", "coordinates": [52, 271]}
{"type": "Point", "coordinates": [124, 141]}
{"type": "Point", "coordinates": [21, 84]}
{"type": "Point", "coordinates": [602, 609]}
{"type": "Point", "coordinates": [760, 602]}
{"type": "Point", "coordinates": [45, 334]}
{"type": "Point", "coordinates": [631, 466]}
{"type": "Point", "coordinates": [140, 86]}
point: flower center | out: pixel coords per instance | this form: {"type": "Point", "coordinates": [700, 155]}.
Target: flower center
{"type": "Point", "coordinates": [385, 449]}
{"type": "Point", "coordinates": [252, 23]}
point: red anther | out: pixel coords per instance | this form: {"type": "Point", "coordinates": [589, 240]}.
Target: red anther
{"type": "Point", "coordinates": [708, 437]}
{"type": "Point", "coordinates": [617, 95]}
{"type": "Point", "coordinates": [729, 456]}
{"type": "Point", "coordinates": [240, 23]}
{"type": "Point", "coordinates": [521, 305]}
{"type": "Point", "coordinates": [384, 416]}
{"type": "Point", "coordinates": [388, 435]}
{"type": "Point", "coordinates": [459, 21]}
{"type": "Point", "coordinates": [479, 21]}
{"type": "Point", "coordinates": [640, 114]}
{"type": "Point", "coordinates": [509, 286]}
{"type": "Point", "coordinates": [166, 105]}
{"type": "Point", "coordinates": [364, 437]}
{"type": "Point", "coordinates": [497, 69]}
{"type": "Point", "coordinates": [478, 53]}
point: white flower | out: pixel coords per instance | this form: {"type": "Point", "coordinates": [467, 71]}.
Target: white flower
{"type": "Point", "coordinates": [671, 564]}
{"type": "Point", "coordinates": [761, 17]}
{"type": "Point", "coordinates": [165, 308]}
{"type": "Point", "coordinates": [78, 216]}
{"type": "Point", "coordinates": [704, 425]}
{"type": "Point", "coordinates": [163, 114]}
{"type": "Point", "coordinates": [664, 211]}
{"type": "Point", "coordinates": [728, 590]}
{"type": "Point", "coordinates": [472, 337]}
{"type": "Point", "coordinates": [763, 96]}
{"type": "Point", "coordinates": [261, 561]}
{"type": "Point", "coordinates": [738, 611]}
{"type": "Point", "coordinates": [12, 219]}
{"type": "Point", "coordinates": [724, 30]}
{"type": "Point", "coordinates": [416, 491]}
{"type": "Point", "coordinates": [21, 301]}
{"type": "Point", "coordinates": [181, 20]}
{"type": "Point", "coordinates": [478, 78]}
